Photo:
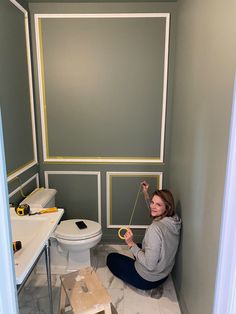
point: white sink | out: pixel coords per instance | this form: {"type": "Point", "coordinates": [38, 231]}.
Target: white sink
{"type": "Point", "coordinates": [33, 232]}
{"type": "Point", "coordinates": [27, 229]}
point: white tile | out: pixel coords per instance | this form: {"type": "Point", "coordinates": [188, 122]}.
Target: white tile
{"type": "Point", "coordinates": [117, 298]}
{"type": "Point", "coordinates": [108, 279]}
{"type": "Point", "coordinates": [135, 303]}
{"type": "Point", "coordinates": [168, 302]}
{"type": "Point", "coordinates": [168, 307]}
{"type": "Point", "coordinates": [169, 290]}
{"type": "Point", "coordinates": [34, 296]}
{"type": "Point", "coordinates": [28, 308]}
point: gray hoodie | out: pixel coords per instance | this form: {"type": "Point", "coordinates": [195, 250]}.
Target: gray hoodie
{"type": "Point", "coordinates": [156, 258]}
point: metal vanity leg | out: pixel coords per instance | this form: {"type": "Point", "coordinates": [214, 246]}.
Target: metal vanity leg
{"type": "Point", "coordinates": [48, 269]}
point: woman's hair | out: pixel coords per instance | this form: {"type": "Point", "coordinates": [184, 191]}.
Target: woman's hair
{"type": "Point", "coordinates": [168, 199]}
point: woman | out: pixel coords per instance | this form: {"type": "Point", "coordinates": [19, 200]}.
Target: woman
{"type": "Point", "coordinates": [154, 260]}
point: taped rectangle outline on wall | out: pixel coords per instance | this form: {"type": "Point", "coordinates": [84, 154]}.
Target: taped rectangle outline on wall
{"type": "Point", "coordinates": [33, 162]}
{"type": "Point", "coordinates": [109, 176]}
{"type": "Point", "coordinates": [89, 173]}
{"type": "Point", "coordinates": [42, 96]}
{"type": "Point", "coordinates": [34, 177]}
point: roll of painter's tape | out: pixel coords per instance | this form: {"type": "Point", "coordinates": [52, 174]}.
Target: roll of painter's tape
{"type": "Point", "coordinates": [119, 232]}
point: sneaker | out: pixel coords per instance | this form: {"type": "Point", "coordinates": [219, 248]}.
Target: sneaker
{"type": "Point", "coordinates": [157, 292]}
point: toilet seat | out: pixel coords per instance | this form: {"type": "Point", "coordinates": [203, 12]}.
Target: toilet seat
{"type": "Point", "coordinates": [68, 230]}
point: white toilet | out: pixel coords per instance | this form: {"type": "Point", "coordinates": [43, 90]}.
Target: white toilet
{"type": "Point", "coordinates": [77, 242]}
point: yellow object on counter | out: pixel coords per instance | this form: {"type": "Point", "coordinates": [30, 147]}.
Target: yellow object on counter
{"type": "Point", "coordinates": [48, 210]}
{"type": "Point", "coordinates": [22, 209]}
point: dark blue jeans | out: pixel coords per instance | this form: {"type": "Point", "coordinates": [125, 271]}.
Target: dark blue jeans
{"type": "Point", "coordinates": [123, 267]}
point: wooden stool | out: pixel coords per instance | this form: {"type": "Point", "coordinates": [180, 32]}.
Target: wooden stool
{"type": "Point", "coordinates": [85, 293]}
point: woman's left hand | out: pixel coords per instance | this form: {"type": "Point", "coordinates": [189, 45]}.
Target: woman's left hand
{"type": "Point", "coordinates": [129, 237]}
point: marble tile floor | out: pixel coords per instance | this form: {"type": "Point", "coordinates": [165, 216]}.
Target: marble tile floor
{"type": "Point", "coordinates": [33, 298]}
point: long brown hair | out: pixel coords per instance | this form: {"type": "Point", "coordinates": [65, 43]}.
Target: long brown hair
{"type": "Point", "coordinates": [168, 199]}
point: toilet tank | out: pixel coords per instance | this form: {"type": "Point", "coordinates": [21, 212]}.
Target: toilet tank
{"type": "Point", "coordinates": [41, 197]}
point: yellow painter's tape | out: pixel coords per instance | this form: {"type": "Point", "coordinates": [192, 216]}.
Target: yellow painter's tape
{"type": "Point", "coordinates": [119, 233]}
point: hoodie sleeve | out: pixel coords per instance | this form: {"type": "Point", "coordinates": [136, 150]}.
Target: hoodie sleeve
{"type": "Point", "coordinates": [149, 256]}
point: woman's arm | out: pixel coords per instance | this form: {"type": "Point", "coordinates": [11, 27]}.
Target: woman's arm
{"type": "Point", "coordinates": [151, 254]}
{"type": "Point", "coordinates": [145, 187]}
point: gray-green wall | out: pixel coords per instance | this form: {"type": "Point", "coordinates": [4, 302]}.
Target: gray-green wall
{"type": "Point", "coordinates": [204, 73]}
{"type": "Point", "coordinates": [15, 101]}
{"type": "Point", "coordinates": [63, 113]}
{"type": "Point", "coordinates": [199, 125]}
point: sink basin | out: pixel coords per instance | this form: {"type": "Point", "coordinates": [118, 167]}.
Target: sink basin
{"type": "Point", "coordinates": [33, 232]}
{"type": "Point", "coordinates": [27, 230]}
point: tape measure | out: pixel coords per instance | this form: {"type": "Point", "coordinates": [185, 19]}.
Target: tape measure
{"type": "Point", "coordinates": [17, 245]}
{"type": "Point", "coordinates": [22, 210]}
{"type": "Point", "coordinates": [121, 232]}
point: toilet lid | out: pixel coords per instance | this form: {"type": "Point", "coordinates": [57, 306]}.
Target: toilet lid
{"type": "Point", "coordinates": [68, 229]}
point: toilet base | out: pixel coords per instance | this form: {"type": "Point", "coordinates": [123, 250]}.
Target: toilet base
{"type": "Point", "coordinates": [77, 260]}
{"type": "Point", "coordinates": [62, 263]}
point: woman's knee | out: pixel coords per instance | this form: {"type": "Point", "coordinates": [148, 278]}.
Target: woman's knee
{"type": "Point", "coordinates": [111, 259]}
{"type": "Point", "coordinates": [111, 256]}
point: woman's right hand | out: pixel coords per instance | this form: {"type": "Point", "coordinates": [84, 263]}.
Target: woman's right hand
{"type": "Point", "coordinates": [129, 237]}
{"type": "Point", "coordinates": [145, 187]}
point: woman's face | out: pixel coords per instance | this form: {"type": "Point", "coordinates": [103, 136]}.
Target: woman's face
{"type": "Point", "coordinates": [157, 206]}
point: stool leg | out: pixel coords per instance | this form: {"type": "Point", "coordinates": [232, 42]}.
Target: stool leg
{"type": "Point", "coordinates": [62, 301]}
{"type": "Point", "coordinates": [113, 309]}
{"type": "Point", "coordinates": [107, 308]}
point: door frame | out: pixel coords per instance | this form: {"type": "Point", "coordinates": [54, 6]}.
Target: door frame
{"type": "Point", "coordinates": [225, 288]}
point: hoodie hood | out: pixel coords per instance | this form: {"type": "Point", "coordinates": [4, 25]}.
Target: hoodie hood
{"type": "Point", "coordinates": [173, 223]}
